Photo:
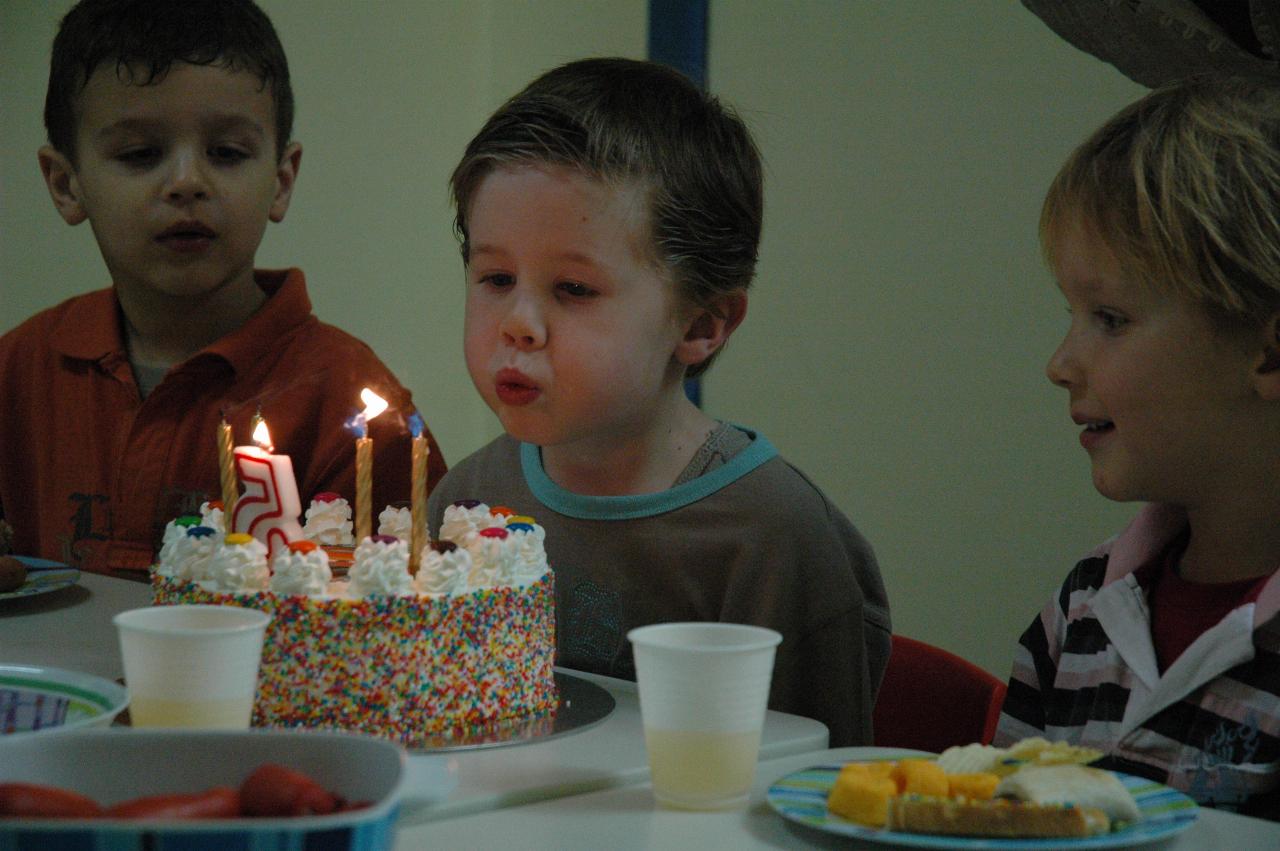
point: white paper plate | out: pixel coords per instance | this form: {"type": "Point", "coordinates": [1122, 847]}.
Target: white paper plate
{"type": "Point", "coordinates": [36, 699]}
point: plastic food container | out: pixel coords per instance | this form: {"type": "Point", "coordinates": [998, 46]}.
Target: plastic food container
{"type": "Point", "coordinates": [118, 764]}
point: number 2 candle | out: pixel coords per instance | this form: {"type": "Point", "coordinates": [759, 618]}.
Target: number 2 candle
{"type": "Point", "coordinates": [269, 508]}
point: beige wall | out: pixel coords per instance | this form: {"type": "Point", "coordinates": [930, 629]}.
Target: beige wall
{"type": "Point", "coordinates": [896, 340]}
{"type": "Point", "coordinates": [901, 316]}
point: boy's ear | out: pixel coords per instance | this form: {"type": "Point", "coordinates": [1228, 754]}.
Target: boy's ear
{"type": "Point", "coordinates": [1267, 374]}
{"type": "Point", "coordinates": [64, 186]}
{"type": "Point", "coordinates": [286, 176]}
{"type": "Point", "coordinates": [710, 326]}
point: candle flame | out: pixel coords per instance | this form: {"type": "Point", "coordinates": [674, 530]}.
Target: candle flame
{"type": "Point", "coordinates": [262, 437]}
{"type": "Point", "coordinates": [373, 404]}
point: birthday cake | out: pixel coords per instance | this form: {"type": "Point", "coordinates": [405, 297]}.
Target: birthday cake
{"type": "Point", "coordinates": [459, 649]}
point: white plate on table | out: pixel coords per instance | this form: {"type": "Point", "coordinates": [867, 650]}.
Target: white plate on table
{"type": "Point", "coordinates": [36, 700]}
{"type": "Point", "coordinates": [802, 797]}
{"type": "Point", "coordinates": [43, 576]}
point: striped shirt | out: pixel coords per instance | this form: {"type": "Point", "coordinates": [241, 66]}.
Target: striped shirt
{"type": "Point", "coordinates": [1086, 673]}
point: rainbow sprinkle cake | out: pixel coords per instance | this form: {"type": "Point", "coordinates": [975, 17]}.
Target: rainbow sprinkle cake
{"type": "Point", "coordinates": [461, 650]}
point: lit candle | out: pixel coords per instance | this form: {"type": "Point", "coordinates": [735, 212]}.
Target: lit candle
{"type": "Point", "coordinates": [373, 405]}
{"type": "Point", "coordinates": [418, 491]}
{"type": "Point", "coordinates": [227, 468]}
{"type": "Point", "coordinates": [270, 506]}
{"type": "Point", "coordinates": [364, 487]}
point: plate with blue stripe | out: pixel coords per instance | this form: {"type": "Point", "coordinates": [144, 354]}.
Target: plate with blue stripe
{"type": "Point", "coordinates": [802, 797]}
{"type": "Point", "coordinates": [43, 576]}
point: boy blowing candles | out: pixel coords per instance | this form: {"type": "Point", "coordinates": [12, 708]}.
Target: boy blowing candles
{"type": "Point", "coordinates": [610, 216]}
{"type": "Point", "coordinates": [169, 132]}
{"type": "Point", "coordinates": [1163, 230]}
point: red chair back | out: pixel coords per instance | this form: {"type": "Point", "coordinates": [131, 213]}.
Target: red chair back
{"type": "Point", "coordinates": [931, 699]}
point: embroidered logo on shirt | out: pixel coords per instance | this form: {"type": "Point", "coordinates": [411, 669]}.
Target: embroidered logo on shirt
{"type": "Point", "coordinates": [77, 546]}
{"type": "Point", "coordinates": [590, 632]}
{"type": "Point", "coordinates": [1216, 779]}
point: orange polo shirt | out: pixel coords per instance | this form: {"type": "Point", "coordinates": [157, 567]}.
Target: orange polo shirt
{"type": "Point", "coordinates": [90, 473]}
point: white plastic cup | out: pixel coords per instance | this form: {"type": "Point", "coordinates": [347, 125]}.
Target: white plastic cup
{"type": "Point", "coordinates": [704, 688]}
{"type": "Point", "coordinates": [191, 666]}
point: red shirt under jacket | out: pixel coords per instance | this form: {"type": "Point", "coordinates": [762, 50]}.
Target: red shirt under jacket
{"type": "Point", "coordinates": [90, 473]}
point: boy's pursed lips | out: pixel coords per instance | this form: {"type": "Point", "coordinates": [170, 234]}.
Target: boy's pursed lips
{"type": "Point", "coordinates": [514, 387]}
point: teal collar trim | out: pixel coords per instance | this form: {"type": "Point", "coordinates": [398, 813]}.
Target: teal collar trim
{"type": "Point", "coordinates": [633, 506]}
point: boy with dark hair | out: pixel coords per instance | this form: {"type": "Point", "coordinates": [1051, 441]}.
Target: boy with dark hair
{"type": "Point", "coordinates": [169, 133]}
{"type": "Point", "coordinates": [609, 217]}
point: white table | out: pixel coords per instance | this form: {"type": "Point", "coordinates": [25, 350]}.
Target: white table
{"type": "Point", "coordinates": [584, 790]}
{"type": "Point", "coordinates": [627, 817]}
{"type": "Point", "coordinates": [73, 629]}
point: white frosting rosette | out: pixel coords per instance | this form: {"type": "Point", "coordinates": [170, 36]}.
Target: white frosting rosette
{"type": "Point", "coordinates": [444, 573]}
{"type": "Point", "coordinates": [463, 520]}
{"type": "Point", "coordinates": [329, 521]}
{"type": "Point", "coordinates": [240, 566]}
{"type": "Point", "coordinates": [212, 517]}
{"type": "Point", "coordinates": [174, 531]}
{"type": "Point", "coordinates": [187, 557]}
{"type": "Point", "coordinates": [301, 570]}
{"type": "Point", "coordinates": [528, 563]}
{"type": "Point", "coordinates": [491, 558]}
{"type": "Point", "coordinates": [396, 523]}
{"type": "Point", "coordinates": [381, 568]}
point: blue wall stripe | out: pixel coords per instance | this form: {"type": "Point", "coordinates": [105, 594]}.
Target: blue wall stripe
{"type": "Point", "coordinates": [678, 37]}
